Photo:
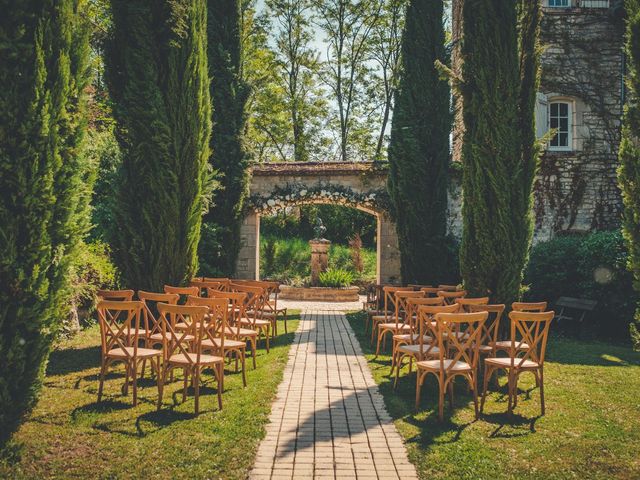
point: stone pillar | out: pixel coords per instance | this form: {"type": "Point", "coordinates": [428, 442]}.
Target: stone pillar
{"type": "Point", "coordinates": [388, 251]}
{"type": "Point", "coordinates": [319, 259]}
{"type": "Point", "coordinates": [247, 266]}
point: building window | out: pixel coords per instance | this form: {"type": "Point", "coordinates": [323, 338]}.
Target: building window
{"type": "Point", "coordinates": [560, 121]}
{"type": "Point", "coordinates": [559, 3]}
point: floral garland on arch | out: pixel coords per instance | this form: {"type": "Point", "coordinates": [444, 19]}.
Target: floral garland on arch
{"type": "Point", "coordinates": [297, 194]}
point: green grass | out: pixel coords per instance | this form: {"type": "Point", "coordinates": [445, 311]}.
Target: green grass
{"type": "Point", "coordinates": [69, 435]}
{"type": "Point", "coordinates": [591, 428]}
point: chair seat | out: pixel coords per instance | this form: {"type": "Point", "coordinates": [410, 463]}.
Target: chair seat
{"type": "Point", "coordinates": [412, 337]}
{"type": "Point", "coordinates": [505, 362]}
{"type": "Point", "coordinates": [244, 332]}
{"type": "Point", "coordinates": [191, 358]}
{"type": "Point", "coordinates": [506, 345]}
{"type": "Point", "coordinates": [380, 318]}
{"type": "Point", "coordinates": [394, 326]}
{"type": "Point", "coordinates": [415, 350]}
{"type": "Point", "coordinates": [159, 337]}
{"type": "Point", "coordinates": [128, 352]}
{"type": "Point", "coordinates": [228, 344]}
{"type": "Point", "coordinates": [256, 323]}
{"type": "Point", "coordinates": [180, 326]}
{"type": "Point", "coordinates": [434, 365]}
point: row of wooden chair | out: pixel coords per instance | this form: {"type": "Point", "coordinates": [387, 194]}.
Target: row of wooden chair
{"type": "Point", "coordinates": [448, 334]}
{"type": "Point", "coordinates": [189, 328]}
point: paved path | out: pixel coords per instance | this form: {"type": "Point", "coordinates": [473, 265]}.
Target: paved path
{"type": "Point", "coordinates": [329, 420]}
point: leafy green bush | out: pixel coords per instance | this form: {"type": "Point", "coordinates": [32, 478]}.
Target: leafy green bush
{"type": "Point", "coordinates": [335, 277]}
{"type": "Point", "coordinates": [590, 267]}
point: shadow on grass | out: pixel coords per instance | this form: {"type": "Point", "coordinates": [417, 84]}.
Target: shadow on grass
{"type": "Point", "coordinates": [71, 360]}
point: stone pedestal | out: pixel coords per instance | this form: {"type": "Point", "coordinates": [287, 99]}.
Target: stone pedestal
{"type": "Point", "coordinates": [319, 259]}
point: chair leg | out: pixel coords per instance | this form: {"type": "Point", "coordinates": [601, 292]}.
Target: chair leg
{"type": "Point", "coordinates": [441, 392]}
{"type": "Point", "coordinates": [380, 337]}
{"type": "Point", "coordinates": [196, 388]}
{"type": "Point", "coordinates": [220, 375]}
{"type": "Point", "coordinates": [266, 334]}
{"type": "Point", "coordinates": [285, 322]}
{"type": "Point", "coordinates": [474, 382]}
{"type": "Point", "coordinates": [450, 390]}
{"type": "Point", "coordinates": [511, 392]}
{"type": "Point", "coordinates": [542, 391]}
{"type": "Point", "coordinates": [253, 351]}
{"type": "Point", "coordinates": [134, 381]}
{"type": "Point", "coordinates": [184, 387]}
{"type": "Point", "coordinates": [161, 378]}
{"type": "Point", "coordinates": [244, 371]}
{"type": "Point", "coordinates": [398, 367]}
{"type": "Point", "coordinates": [103, 369]}
{"type": "Point", "coordinates": [418, 385]}
{"type": "Point", "coordinates": [487, 375]}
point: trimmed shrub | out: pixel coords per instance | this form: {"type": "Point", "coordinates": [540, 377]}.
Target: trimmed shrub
{"type": "Point", "coordinates": [590, 267]}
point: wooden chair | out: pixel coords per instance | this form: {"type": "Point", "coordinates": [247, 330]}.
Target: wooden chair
{"type": "Point", "coordinates": [220, 310]}
{"type": "Point", "coordinates": [224, 281]}
{"type": "Point", "coordinates": [270, 311]}
{"type": "Point", "coordinates": [400, 324]}
{"type": "Point", "coordinates": [184, 292]}
{"type": "Point", "coordinates": [490, 328]}
{"type": "Point", "coordinates": [188, 356]}
{"type": "Point", "coordinates": [151, 322]}
{"type": "Point", "coordinates": [451, 296]}
{"type": "Point", "coordinates": [119, 337]}
{"type": "Point", "coordinates": [115, 295]}
{"type": "Point", "coordinates": [450, 288]}
{"type": "Point", "coordinates": [424, 345]}
{"type": "Point", "coordinates": [235, 331]}
{"type": "Point", "coordinates": [254, 305]}
{"type": "Point", "coordinates": [202, 285]}
{"type": "Point", "coordinates": [411, 337]}
{"type": "Point", "coordinates": [462, 361]}
{"type": "Point", "coordinates": [505, 345]}
{"type": "Point", "coordinates": [466, 302]}
{"type": "Point", "coordinates": [388, 309]}
{"type": "Point", "coordinates": [531, 328]}
{"type": "Point", "coordinates": [431, 291]}
{"type": "Point", "coordinates": [374, 304]}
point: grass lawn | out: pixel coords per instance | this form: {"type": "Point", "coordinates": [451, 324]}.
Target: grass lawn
{"type": "Point", "coordinates": [69, 435]}
{"type": "Point", "coordinates": [591, 428]}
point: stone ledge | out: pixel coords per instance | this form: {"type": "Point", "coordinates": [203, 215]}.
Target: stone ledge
{"type": "Point", "coordinates": [324, 294]}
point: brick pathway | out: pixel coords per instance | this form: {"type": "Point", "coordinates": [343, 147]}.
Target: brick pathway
{"type": "Point", "coordinates": [329, 420]}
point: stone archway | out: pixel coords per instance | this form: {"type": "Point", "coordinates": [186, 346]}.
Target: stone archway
{"type": "Point", "coordinates": [358, 185]}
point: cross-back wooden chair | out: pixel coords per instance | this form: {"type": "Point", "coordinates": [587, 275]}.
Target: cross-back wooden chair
{"type": "Point", "coordinates": [416, 287]}
{"type": "Point", "coordinates": [235, 330]}
{"type": "Point", "coordinates": [254, 305]}
{"type": "Point", "coordinates": [505, 345]}
{"type": "Point", "coordinates": [224, 281]}
{"type": "Point", "coordinates": [374, 304]}
{"type": "Point", "coordinates": [449, 288]}
{"type": "Point", "coordinates": [151, 323]}
{"type": "Point", "coordinates": [431, 291]}
{"type": "Point", "coordinates": [188, 356]}
{"type": "Point", "coordinates": [202, 285]}
{"type": "Point", "coordinates": [119, 336]}
{"type": "Point", "coordinates": [270, 311]}
{"type": "Point", "coordinates": [461, 360]}
{"type": "Point", "coordinates": [531, 328]}
{"type": "Point", "coordinates": [451, 296]}
{"type": "Point", "coordinates": [423, 346]}
{"type": "Point", "coordinates": [184, 292]}
{"type": "Point", "coordinates": [116, 295]}
{"type": "Point", "coordinates": [411, 313]}
{"type": "Point", "coordinates": [388, 309]}
{"type": "Point", "coordinates": [400, 323]}
{"type": "Point", "coordinates": [217, 343]}
{"type": "Point", "coordinates": [466, 302]}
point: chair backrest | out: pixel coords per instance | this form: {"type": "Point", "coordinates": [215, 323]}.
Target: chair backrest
{"type": "Point", "coordinates": [466, 302]}
{"type": "Point", "coordinates": [532, 329]}
{"type": "Point", "coordinates": [401, 298]}
{"type": "Point", "coordinates": [389, 292]}
{"type": "Point", "coordinates": [236, 305]}
{"type": "Point", "coordinates": [451, 296]}
{"type": "Point", "coordinates": [430, 291]}
{"type": "Point", "coordinates": [187, 340]}
{"type": "Point", "coordinates": [491, 327]}
{"type": "Point", "coordinates": [216, 319]}
{"type": "Point", "coordinates": [150, 311]}
{"type": "Point", "coordinates": [184, 292]}
{"type": "Point", "coordinates": [459, 348]}
{"type": "Point", "coordinates": [119, 325]}
{"type": "Point", "coordinates": [449, 288]}
{"type": "Point", "coordinates": [411, 308]}
{"type": "Point", "coordinates": [222, 280]}
{"type": "Point", "coordinates": [426, 320]}
{"type": "Point", "coordinates": [529, 306]}
{"type": "Point", "coordinates": [255, 300]}
{"type": "Point", "coordinates": [116, 295]}
{"type": "Point", "coordinates": [417, 287]}
{"type": "Point", "coordinates": [202, 285]}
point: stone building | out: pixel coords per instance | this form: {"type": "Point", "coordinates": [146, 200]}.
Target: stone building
{"type": "Point", "coordinates": [581, 96]}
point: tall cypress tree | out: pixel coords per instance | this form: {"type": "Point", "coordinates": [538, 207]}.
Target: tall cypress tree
{"type": "Point", "coordinates": [419, 148]}
{"type": "Point", "coordinates": [229, 94]}
{"type": "Point", "coordinates": [629, 170]}
{"type": "Point", "coordinates": [158, 79]}
{"type": "Point", "coordinates": [500, 77]}
{"type": "Point", "coordinates": [43, 200]}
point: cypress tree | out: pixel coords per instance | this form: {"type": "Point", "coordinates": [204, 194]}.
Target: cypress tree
{"type": "Point", "coordinates": [629, 170]}
{"type": "Point", "coordinates": [44, 53]}
{"type": "Point", "coordinates": [157, 73]}
{"type": "Point", "coordinates": [229, 94]}
{"type": "Point", "coordinates": [419, 147]}
{"type": "Point", "coordinates": [500, 73]}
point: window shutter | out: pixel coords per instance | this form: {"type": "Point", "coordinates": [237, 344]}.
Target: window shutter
{"type": "Point", "coordinates": [542, 115]}
{"type": "Point", "coordinates": [595, 3]}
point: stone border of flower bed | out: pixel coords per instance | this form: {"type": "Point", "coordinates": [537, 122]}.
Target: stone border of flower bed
{"type": "Point", "coordinates": [323, 294]}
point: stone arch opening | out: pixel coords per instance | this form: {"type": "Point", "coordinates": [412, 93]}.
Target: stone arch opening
{"type": "Point", "coordinates": [274, 187]}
